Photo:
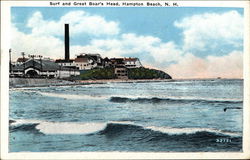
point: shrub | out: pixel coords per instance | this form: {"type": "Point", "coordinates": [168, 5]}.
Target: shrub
{"type": "Point", "coordinates": [146, 73]}
{"type": "Point", "coordinates": [99, 73]}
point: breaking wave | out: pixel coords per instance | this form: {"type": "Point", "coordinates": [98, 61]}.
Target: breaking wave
{"type": "Point", "coordinates": [180, 131]}
{"type": "Point", "coordinates": [71, 96]}
{"type": "Point", "coordinates": [48, 127]}
{"type": "Point", "coordinates": [171, 100]}
{"type": "Point", "coordinates": [113, 128]}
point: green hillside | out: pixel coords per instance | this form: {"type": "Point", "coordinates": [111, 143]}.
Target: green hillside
{"type": "Point", "coordinates": [146, 73]}
{"type": "Point", "coordinates": [100, 73]}
{"type": "Point", "coordinates": [133, 73]}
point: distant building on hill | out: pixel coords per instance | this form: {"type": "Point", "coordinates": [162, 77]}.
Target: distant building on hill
{"type": "Point", "coordinates": [126, 62]}
{"type": "Point", "coordinates": [132, 62]}
{"type": "Point", "coordinates": [122, 64]}
{"type": "Point", "coordinates": [82, 62]}
{"type": "Point", "coordinates": [117, 62]}
{"type": "Point", "coordinates": [88, 61]}
{"type": "Point", "coordinates": [121, 72]}
{"type": "Point", "coordinates": [61, 68]}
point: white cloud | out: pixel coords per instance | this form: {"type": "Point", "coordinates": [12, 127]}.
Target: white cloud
{"type": "Point", "coordinates": [48, 46]}
{"type": "Point", "coordinates": [120, 46]}
{"type": "Point", "coordinates": [207, 30]}
{"type": "Point", "coordinates": [190, 66]}
{"type": "Point", "coordinates": [44, 40]}
{"type": "Point", "coordinates": [80, 22]}
{"type": "Point", "coordinates": [139, 43]}
{"type": "Point", "coordinates": [132, 44]}
{"type": "Point", "coordinates": [166, 52]}
{"type": "Point", "coordinates": [230, 65]}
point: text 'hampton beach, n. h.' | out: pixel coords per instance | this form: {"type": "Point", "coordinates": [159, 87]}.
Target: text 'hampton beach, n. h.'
{"type": "Point", "coordinates": [115, 4]}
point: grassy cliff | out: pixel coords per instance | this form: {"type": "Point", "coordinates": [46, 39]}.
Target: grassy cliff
{"type": "Point", "coordinates": [133, 73]}
{"type": "Point", "coordinates": [146, 73]}
{"type": "Point", "coordinates": [100, 73]}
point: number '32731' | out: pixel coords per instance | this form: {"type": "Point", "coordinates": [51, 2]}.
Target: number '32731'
{"type": "Point", "coordinates": [223, 140]}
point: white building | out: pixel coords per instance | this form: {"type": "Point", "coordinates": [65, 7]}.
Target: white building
{"type": "Point", "coordinates": [66, 63]}
{"type": "Point", "coordinates": [42, 68]}
{"type": "Point", "coordinates": [132, 62]}
{"type": "Point", "coordinates": [88, 61]}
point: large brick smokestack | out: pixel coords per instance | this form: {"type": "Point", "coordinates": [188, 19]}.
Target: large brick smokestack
{"type": "Point", "coordinates": [66, 42]}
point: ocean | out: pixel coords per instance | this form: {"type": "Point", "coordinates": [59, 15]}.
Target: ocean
{"type": "Point", "coordinates": [175, 116]}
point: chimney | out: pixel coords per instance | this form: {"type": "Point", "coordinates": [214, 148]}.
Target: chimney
{"type": "Point", "coordinates": [66, 42]}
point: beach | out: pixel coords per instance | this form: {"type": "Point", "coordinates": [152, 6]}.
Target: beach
{"type": "Point", "coordinates": [38, 82]}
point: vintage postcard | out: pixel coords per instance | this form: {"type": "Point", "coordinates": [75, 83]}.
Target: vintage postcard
{"type": "Point", "coordinates": [124, 79]}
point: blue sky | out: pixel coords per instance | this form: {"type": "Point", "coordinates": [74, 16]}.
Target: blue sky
{"type": "Point", "coordinates": [165, 38]}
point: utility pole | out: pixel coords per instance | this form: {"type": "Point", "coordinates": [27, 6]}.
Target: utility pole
{"type": "Point", "coordinates": [23, 63]}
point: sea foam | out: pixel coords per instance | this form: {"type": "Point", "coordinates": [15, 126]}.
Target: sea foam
{"type": "Point", "coordinates": [49, 127]}
{"type": "Point", "coordinates": [70, 127]}
{"type": "Point", "coordinates": [180, 131]}
{"type": "Point", "coordinates": [70, 96]}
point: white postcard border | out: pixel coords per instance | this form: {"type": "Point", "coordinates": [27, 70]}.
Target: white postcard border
{"type": "Point", "coordinates": [5, 45]}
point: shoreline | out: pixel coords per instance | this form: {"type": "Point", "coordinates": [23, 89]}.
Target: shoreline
{"type": "Point", "coordinates": [123, 81]}
{"type": "Point", "coordinates": [60, 82]}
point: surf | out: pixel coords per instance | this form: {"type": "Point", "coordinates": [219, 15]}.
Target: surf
{"type": "Point", "coordinates": [70, 96]}
{"type": "Point", "coordinates": [110, 127]}
{"type": "Point", "coordinates": [50, 127]}
{"type": "Point", "coordinates": [169, 100]}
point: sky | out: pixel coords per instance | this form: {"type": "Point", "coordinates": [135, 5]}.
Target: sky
{"type": "Point", "coordinates": [185, 42]}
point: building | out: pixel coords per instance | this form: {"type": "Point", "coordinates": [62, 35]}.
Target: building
{"type": "Point", "coordinates": [21, 60]}
{"type": "Point", "coordinates": [121, 66]}
{"type": "Point", "coordinates": [82, 63]}
{"type": "Point", "coordinates": [42, 68]}
{"type": "Point", "coordinates": [88, 61]}
{"type": "Point", "coordinates": [106, 62]}
{"type": "Point", "coordinates": [117, 62]}
{"type": "Point", "coordinates": [132, 62]}
{"type": "Point", "coordinates": [121, 72]}
{"type": "Point", "coordinates": [126, 62]}
{"type": "Point", "coordinates": [66, 63]}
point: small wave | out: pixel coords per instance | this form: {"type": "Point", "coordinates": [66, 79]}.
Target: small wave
{"type": "Point", "coordinates": [188, 131]}
{"type": "Point", "coordinates": [71, 96]}
{"type": "Point", "coordinates": [179, 100]}
{"type": "Point", "coordinates": [170, 131]}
